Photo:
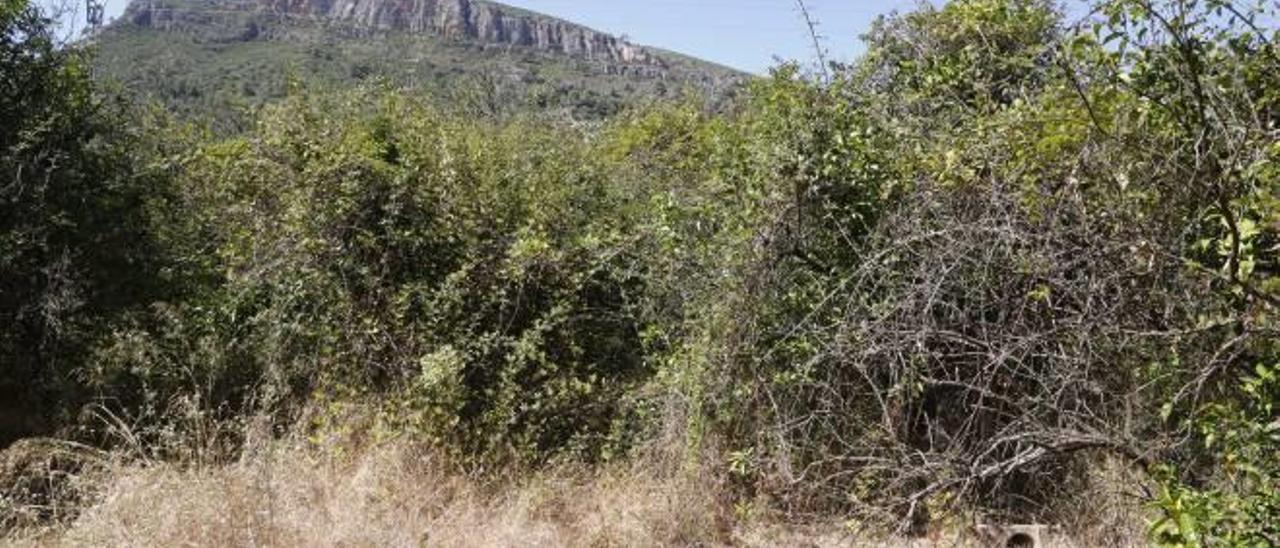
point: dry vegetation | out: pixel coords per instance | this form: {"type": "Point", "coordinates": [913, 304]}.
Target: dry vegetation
{"type": "Point", "coordinates": [387, 495]}
{"type": "Point", "coordinates": [398, 493]}
{"type": "Point", "coordinates": [349, 487]}
{"type": "Point", "coordinates": [392, 494]}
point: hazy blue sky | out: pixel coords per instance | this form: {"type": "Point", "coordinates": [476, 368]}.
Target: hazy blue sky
{"type": "Point", "coordinates": [746, 34]}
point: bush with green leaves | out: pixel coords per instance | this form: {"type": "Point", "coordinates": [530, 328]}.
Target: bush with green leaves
{"type": "Point", "coordinates": [950, 278]}
{"type": "Point", "coordinates": [77, 246]}
{"type": "Point", "coordinates": [1237, 499]}
{"type": "Point", "coordinates": [481, 278]}
{"type": "Point", "coordinates": [1046, 243]}
{"type": "Point", "coordinates": [1203, 79]}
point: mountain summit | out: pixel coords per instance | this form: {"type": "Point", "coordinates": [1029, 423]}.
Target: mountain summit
{"type": "Point", "coordinates": [216, 57]}
{"type": "Point", "coordinates": [485, 22]}
{"type": "Point", "coordinates": [475, 20]}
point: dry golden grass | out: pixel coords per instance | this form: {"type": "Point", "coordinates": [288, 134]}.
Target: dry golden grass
{"type": "Point", "coordinates": [400, 494]}
{"type": "Point", "coordinates": [389, 495]}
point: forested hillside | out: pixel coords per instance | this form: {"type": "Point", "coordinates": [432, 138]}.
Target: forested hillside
{"type": "Point", "coordinates": [1009, 266]}
{"type": "Point", "coordinates": [221, 59]}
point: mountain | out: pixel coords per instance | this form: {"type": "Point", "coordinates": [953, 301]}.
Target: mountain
{"type": "Point", "coordinates": [478, 21]}
{"type": "Point", "coordinates": [218, 58]}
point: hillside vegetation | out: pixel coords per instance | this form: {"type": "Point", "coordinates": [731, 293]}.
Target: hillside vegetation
{"type": "Point", "coordinates": [1006, 267]}
{"type": "Point", "coordinates": [220, 60]}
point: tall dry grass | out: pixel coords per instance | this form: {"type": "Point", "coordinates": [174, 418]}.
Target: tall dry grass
{"type": "Point", "coordinates": [392, 494]}
{"type": "Point", "coordinates": [286, 498]}
{"type": "Point", "coordinates": [352, 493]}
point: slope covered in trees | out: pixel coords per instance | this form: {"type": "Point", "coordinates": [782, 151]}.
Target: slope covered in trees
{"type": "Point", "coordinates": [999, 253]}
{"type": "Point", "coordinates": [220, 59]}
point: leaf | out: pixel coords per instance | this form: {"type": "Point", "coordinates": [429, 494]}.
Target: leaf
{"type": "Point", "coordinates": [1187, 526]}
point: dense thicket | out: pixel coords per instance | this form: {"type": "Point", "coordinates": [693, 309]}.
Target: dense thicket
{"type": "Point", "coordinates": [76, 246]}
{"type": "Point", "coordinates": [995, 252]}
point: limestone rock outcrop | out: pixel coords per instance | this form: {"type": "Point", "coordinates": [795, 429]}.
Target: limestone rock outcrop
{"type": "Point", "coordinates": [476, 20]}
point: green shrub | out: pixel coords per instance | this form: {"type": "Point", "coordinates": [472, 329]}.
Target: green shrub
{"type": "Point", "coordinates": [1237, 498]}
{"type": "Point", "coordinates": [484, 275]}
{"type": "Point", "coordinates": [77, 247]}
{"type": "Point", "coordinates": [944, 280]}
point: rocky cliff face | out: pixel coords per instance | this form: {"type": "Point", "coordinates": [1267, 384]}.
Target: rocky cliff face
{"type": "Point", "coordinates": [474, 20]}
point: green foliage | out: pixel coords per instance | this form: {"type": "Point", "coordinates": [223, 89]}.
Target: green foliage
{"type": "Point", "coordinates": [76, 249]}
{"type": "Point", "coordinates": [481, 275]}
{"type": "Point", "coordinates": [895, 257]}
{"type": "Point", "coordinates": [1205, 73]}
{"type": "Point", "coordinates": [944, 279]}
{"type": "Point", "coordinates": [969, 53]}
{"type": "Point", "coordinates": [1241, 499]}
{"type": "Point", "coordinates": [753, 214]}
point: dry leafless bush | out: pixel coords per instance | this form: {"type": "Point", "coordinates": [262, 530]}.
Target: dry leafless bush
{"type": "Point", "coordinates": [979, 350]}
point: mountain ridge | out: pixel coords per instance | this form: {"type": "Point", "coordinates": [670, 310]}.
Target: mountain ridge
{"type": "Point", "coordinates": [480, 21]}
{"type": "Point", "coordinates": [487, 22]}
{"type": "Point", "coordinates": [217, 60]}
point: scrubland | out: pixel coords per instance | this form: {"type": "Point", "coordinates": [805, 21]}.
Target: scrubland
{"type": "Point", "coordinates": [1007, 267]}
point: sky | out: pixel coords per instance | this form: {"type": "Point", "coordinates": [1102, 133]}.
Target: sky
{"type": "Point", "coordinates": [748, 35]}
{"type": "Point", "coordinates": [745, 34]}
